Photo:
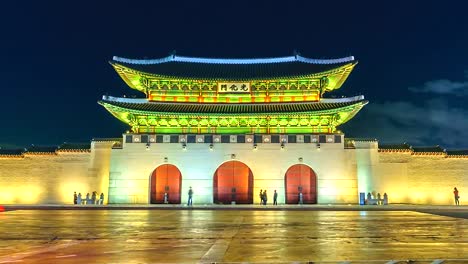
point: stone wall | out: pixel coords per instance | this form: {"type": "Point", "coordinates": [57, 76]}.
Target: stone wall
{"type": "Point", "coordinates": [52, 178]}
{"type": "Point", "coordinates": [419, 179]}
{"type": "Point", "coordinates": [123, 175]}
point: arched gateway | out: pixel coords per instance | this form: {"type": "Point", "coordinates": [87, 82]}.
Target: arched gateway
{"type": "Point", "coordinates": [300, 178]}
{"type": "Point", "coordinates": [166, 179]}
{"type": "Point", "coordinates": [233, 182]}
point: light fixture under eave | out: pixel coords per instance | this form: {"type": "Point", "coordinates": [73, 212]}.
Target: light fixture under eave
{"type": "Point", "coordinates": [282, 146]}
{"type": "Point", "coordinates": [184, 146]}
{"type": "Point", "coordinates": [148, 146]}
{"type": "Point", "coordinates": [255, 146]}
{"type": "Point", "coordinates": [211, 146]}
{"type": "Point", "coordinates": [318, 145]}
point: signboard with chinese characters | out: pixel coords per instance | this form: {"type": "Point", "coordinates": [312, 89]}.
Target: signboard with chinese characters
{"type": "Point", "coordinates": [229, 87]}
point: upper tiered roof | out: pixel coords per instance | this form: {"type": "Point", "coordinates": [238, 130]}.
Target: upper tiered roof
{"type": "Point", "coordinates": [237, 69]}
{"type": "Point", "coordinates": [211, 95]}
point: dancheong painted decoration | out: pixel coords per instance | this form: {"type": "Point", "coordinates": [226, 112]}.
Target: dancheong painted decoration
{"type": "Point", "coordinates": [186, 95]}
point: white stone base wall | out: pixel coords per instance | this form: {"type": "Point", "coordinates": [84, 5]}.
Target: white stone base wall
{"type": "Point", "coordinates": [132, 166]}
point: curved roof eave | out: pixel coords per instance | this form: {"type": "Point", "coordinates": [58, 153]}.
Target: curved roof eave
{"type": "Point", "coordinates": [175, 58]}
{"type": "Point", "coordinates": [349, 105]}
{"type": "Point", "coordinates": [168, 77]}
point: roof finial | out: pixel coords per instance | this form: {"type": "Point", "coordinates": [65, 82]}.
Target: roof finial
{"type": "Point", "coordinates": [173, 53]}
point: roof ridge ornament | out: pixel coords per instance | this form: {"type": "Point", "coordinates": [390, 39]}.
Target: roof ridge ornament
{"type": "Point", "coordinates": [173, 58]}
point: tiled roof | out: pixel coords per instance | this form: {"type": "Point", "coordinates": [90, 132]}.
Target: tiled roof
{"type": "Point", "coordinates": [363, 139]}
{"type": "Point", "coordinates": [239, 69]}
{"type": "Point", "coordinates": [395, 146]}
{"type": "Point", "coordinates": [457, 152]}
{"type": "Point", "coordinates": [428, 149]}
{"type": "Point", "coordinates": [11, 152]}
{"type": "Point", "coordinates": [173, 107]}
{"type": "Point", "coordinates": [107, 139]}
{"type": "Point", "coordinates": [41, 149]}
{"type": "Point", "coordinates": [74, 147]}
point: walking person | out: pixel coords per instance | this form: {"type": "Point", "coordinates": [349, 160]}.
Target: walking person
{"type": "Point", "coordinates": [265, 197]}
{"type": "Point", "coordinates": [456, 196]}
{"type": "Point", "coordinates": [190, 194]}
{"type": "Point", "coordinates": [75, 198]}
{"type": "Point", "coordinates": [87, 199]}
{"type": "Point", "coordinates": [275, 198]}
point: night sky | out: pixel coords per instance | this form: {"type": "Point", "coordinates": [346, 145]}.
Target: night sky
{"type": "Point", "coordinates": [413, 60]}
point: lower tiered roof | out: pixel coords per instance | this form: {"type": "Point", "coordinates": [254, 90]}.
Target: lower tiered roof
{"type": "Point", "coordinates": [146, 116]}
{"type": "Point", "coordinates": [241, 108]}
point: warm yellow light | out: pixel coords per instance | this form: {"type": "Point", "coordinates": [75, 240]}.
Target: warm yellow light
{"type": "Point", "coordinates": [20, 194]}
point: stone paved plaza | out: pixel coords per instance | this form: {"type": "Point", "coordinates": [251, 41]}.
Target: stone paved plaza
{"type": "Point", "coordinates": [247, 236]}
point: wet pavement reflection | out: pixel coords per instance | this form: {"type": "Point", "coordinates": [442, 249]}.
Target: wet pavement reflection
{"type": "Point", "coordinates": [185, 236]}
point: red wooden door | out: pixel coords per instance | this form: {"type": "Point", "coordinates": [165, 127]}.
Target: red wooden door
{"type": "Point", "coordinates": [300, 178]}
{"type": "Point", "coordinates": [233, 181]}
{"type": "Point", "coordinates": [166, 179]}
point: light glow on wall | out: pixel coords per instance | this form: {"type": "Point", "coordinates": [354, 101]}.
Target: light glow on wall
{"type": "Point", "coordinates": [27, 194]}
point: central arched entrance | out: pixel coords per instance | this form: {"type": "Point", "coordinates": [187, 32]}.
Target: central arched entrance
{"type": "Point", "coordinates": [300, 178]}
{"type": "Point", "coordinates": [233, 182]}
{"type": "Point", "coordinates": [166, 179]}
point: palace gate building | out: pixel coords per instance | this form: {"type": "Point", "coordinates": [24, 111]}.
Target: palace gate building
{"type": "Point", "coordinates": [229, 128]}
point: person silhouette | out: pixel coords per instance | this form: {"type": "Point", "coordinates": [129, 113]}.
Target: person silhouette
{"type": "Point", "coordinates": [275, 198]}
{"type": "Point", "coordinates": [190, 194]}
{"type": "Point", "coordinates": [456, 196]}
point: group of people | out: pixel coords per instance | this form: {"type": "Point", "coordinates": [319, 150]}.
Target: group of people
{"type": "Point", "coordinates": [78, 199]}
{"type": "Point", "coordinates": [264, 197]}
{"type": "Point", "coordinates": [377, 198]}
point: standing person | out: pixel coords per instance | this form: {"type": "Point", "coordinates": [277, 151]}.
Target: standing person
{"type": "Point", "coordinates": [261, 196]}
{"type": "Point", "coordinates": [78, 199]}
{"type": "Point", "coordinates": [275, 198]}
{"type": "Point", "coordinates": [456, 196]}
{"type": "Point", "coordinates": [190, 194]}
{"type": "Point", "coordinates": [75, 198]}
{"type": "Point", "coordinates": [93, 198]}
{"type": "Point", "coordinates": [87, 198]}
{"type": "Point", "coordinates": [101, 198]}
{"type": "Point", "coordinates": [265, 197]}
{"type": "Point", "coordinates": [301, 201]}
{"type": "Point", "coordinates": [385, 199]}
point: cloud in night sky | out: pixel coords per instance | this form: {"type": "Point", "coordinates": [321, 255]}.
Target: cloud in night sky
{"type": "Point", "coordinates": [444, 86]}
{"type": "Point", "coordinates": [431, 120]}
